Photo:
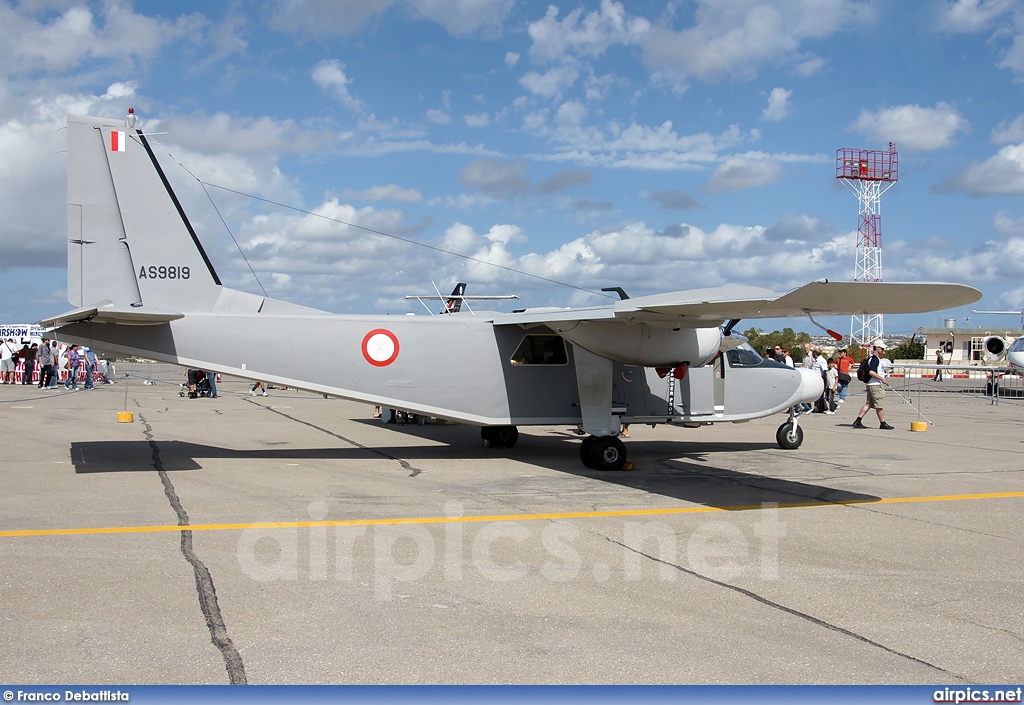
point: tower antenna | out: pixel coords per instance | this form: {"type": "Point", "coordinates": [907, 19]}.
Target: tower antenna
{"type": "Point", "coordinates": [868, 173]}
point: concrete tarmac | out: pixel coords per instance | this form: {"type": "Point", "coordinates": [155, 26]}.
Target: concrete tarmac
{"type": "Point", "coordinates": [326, 547]}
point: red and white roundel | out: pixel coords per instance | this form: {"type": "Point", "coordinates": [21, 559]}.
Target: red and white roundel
{"type": "Point", "coordinates": [380, 347]}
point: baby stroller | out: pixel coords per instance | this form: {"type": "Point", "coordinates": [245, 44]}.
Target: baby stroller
{"type": "Point", "coordinates": [198, 385]}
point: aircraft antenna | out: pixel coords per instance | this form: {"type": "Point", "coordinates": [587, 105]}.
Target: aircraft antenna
{"type": "Point", "coordinates": [868, 173]}
{"type": "Point", "coordinates": [382, 233]}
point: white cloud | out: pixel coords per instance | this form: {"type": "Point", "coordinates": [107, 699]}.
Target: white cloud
{"type": "Point", "coordinates": [565, 49]}
{"type": "Point", "coordinates": [330, 76]}
{"type": "Point", "coordinates": [463, 17]}
{"type": "Point", "coordinates": [324, 18]}
{"type": "Point", "coordinates": [225, 133]}
{"type": "Point", "coordinates": [571, 112]}
{"type": "Point", "coordinates": [633, 145]}
{"type": "Point", "coordinates": [778, 105]}
{"type": "Point", "coordinates": [738, 173]}
{"type": "Point", "coordinates": [477, 120]}
{"type": "Point", "coordinates": [552, 82]}
{"type": "Point", "coordinates": [810, 66]}
{"type": "Point", "coordinates": [33, 172]}
{"type": "Point", "coordinates": [391, 192]}
{"type": "Point", "coordinates": [1005, 133]}
{"type": "Point", "coordinates": [1004, 17]}
{"type": "Point", "coordinates": [731, 40]}
{"type": "Point", "coordinates": [993, 260]}
{"type": "Point", "coordinates": [1004, 224]}
{"type": "Point", "coordinates": [583, 35]}
{"type": "Point", "coordinates": [119, 36]}
{"type": "Point", "coordinates": [511, 59]}
{"type": "Point", "coordinates": [912, 127]}
{"type": "Point", "coordinates": [443, 115]}
{"type": "Point", "coordinates": [1001, 173]}
{"type": "Point", "coordinates": [964, 16]}
{"type": "Point", "coordinates": [438, 117]}
{"type": "Point", "coordinates": [1012, 299]}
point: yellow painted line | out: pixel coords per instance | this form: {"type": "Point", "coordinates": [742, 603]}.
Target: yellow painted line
{"type": "Point", "coordinates": [495, 517]}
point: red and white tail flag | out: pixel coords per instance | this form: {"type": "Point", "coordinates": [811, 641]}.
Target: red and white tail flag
{"type": "Point", "coordinates": [116, 141]}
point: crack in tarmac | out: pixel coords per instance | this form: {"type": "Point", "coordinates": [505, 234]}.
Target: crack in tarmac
{"type": "Point", "coordinates": [205, 588]}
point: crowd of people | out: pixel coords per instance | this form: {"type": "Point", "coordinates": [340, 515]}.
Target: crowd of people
{"type": "Point", "coordinates": [836, 374]}
{"type": "Point", "coordinates": [48, 364]}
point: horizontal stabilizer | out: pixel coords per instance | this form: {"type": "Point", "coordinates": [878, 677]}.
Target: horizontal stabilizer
{"type": "Point", "coordinates": [105, 314]}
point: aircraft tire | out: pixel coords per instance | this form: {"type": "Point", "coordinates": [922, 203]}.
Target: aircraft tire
{"type": "Point", "coordinates": [499, 436]}
{"type": "Point", "coordinates": [506, 436]}
{"type": "Point", "coordinates": [787, 439]}
{"type": "Point", "coordinates": [608, 453]}
{"type": "Point", "coordinates": [587, 451]}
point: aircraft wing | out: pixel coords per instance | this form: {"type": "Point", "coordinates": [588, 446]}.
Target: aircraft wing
{"type": "Point", "coordinates": [104, 314]}
{"type": "Point", "coordinates": [709, 307]}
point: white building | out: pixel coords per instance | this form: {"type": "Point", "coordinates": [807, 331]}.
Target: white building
{"type": "Point", "coordinates": [966, 345]}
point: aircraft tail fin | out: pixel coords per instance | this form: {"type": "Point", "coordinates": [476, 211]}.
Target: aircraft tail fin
{"type": "Point", "coordinates": [130, 244]}
{"type": "Point", "coordinates": [453, 304]}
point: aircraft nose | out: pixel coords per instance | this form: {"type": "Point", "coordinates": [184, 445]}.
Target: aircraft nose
{"type": "Point", "coordinates": [811, 385]}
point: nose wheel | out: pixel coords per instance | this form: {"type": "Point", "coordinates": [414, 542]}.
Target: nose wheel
{"type": "Point", "coordinates": [789, 436]}
{"type": "Point", "coordinates": [603, 453]}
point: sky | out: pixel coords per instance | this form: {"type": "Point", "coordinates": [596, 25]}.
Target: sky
{"type": "Point", "coordinates": [653, 146]}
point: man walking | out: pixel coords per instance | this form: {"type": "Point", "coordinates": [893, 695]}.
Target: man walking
{"type": "Point", "coordinates": [45, 364]}
{"type": "Point", "coordinates": [938, 361]}
{"type": "Point", "coordinates": [875, 388]}
{"type": "Point", "coordinates": [90, 366]}
{"type": "Point", "coordinates": [8, 360]}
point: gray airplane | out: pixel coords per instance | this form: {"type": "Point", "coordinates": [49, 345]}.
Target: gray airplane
{"type": "Point", "coordinates": [144, 286]}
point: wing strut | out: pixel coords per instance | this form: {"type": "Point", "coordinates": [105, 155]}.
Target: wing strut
{"type": "Point", "coordinates": [594, 378]}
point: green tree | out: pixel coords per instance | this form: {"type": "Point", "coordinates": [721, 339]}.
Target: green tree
{"type": "Point", "coordinates": [759, 340]}
{"type": "Point", "coordinates": [910, 350]}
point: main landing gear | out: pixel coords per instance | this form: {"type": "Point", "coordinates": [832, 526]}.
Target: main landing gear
{"type": "Point", "coordinates": [499, 436]}
{"type": "Point", "coordinates": [603, 453]}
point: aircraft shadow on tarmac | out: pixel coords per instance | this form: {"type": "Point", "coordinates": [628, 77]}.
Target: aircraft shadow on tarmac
{"type": "Point", "coordinates": [676, 469]}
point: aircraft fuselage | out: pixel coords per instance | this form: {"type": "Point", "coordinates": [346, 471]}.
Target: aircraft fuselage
{"type": "Point", "coordinates": [458, 367]}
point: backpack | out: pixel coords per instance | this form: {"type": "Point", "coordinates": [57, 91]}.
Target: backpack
{"type": "Point", "coordinates": [864, 371]}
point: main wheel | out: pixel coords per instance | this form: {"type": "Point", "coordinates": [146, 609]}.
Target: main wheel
{"type": "Point", "coordinates": [587, 451]}
{"type": "Point", "coordinates": [789, 438]}
{"type": "Point", "coordinates": [506, 436]}
{"type": "Point", "coordinates": [608, 453]}
{"type": "Point", "coordinates": [500, 436]}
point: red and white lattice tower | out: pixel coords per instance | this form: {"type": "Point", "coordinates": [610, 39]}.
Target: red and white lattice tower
{"type": "Point", "coordinates": [868, 173]}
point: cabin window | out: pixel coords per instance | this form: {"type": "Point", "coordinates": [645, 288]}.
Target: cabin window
{"type": "Point", "coordinates": [540, 350]}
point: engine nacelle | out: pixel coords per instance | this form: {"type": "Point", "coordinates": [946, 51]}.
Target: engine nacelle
{"type": "Point", "coordinates": [995, 348]}
{"type": "Point", "coordinates": [644, 345]}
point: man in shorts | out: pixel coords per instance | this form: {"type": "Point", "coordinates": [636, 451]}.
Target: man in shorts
{"type": "Point", "coordinates": [875, 388]}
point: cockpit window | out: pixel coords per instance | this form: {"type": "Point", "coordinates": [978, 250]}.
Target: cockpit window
{"type": "Point", "coordinates": [743, 357]}
{"type": "Point", "coordinates": [540, 350]}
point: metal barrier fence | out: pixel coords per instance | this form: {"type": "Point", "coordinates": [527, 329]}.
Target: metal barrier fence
{"type": "Point", "coordinates": [997, 385]}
